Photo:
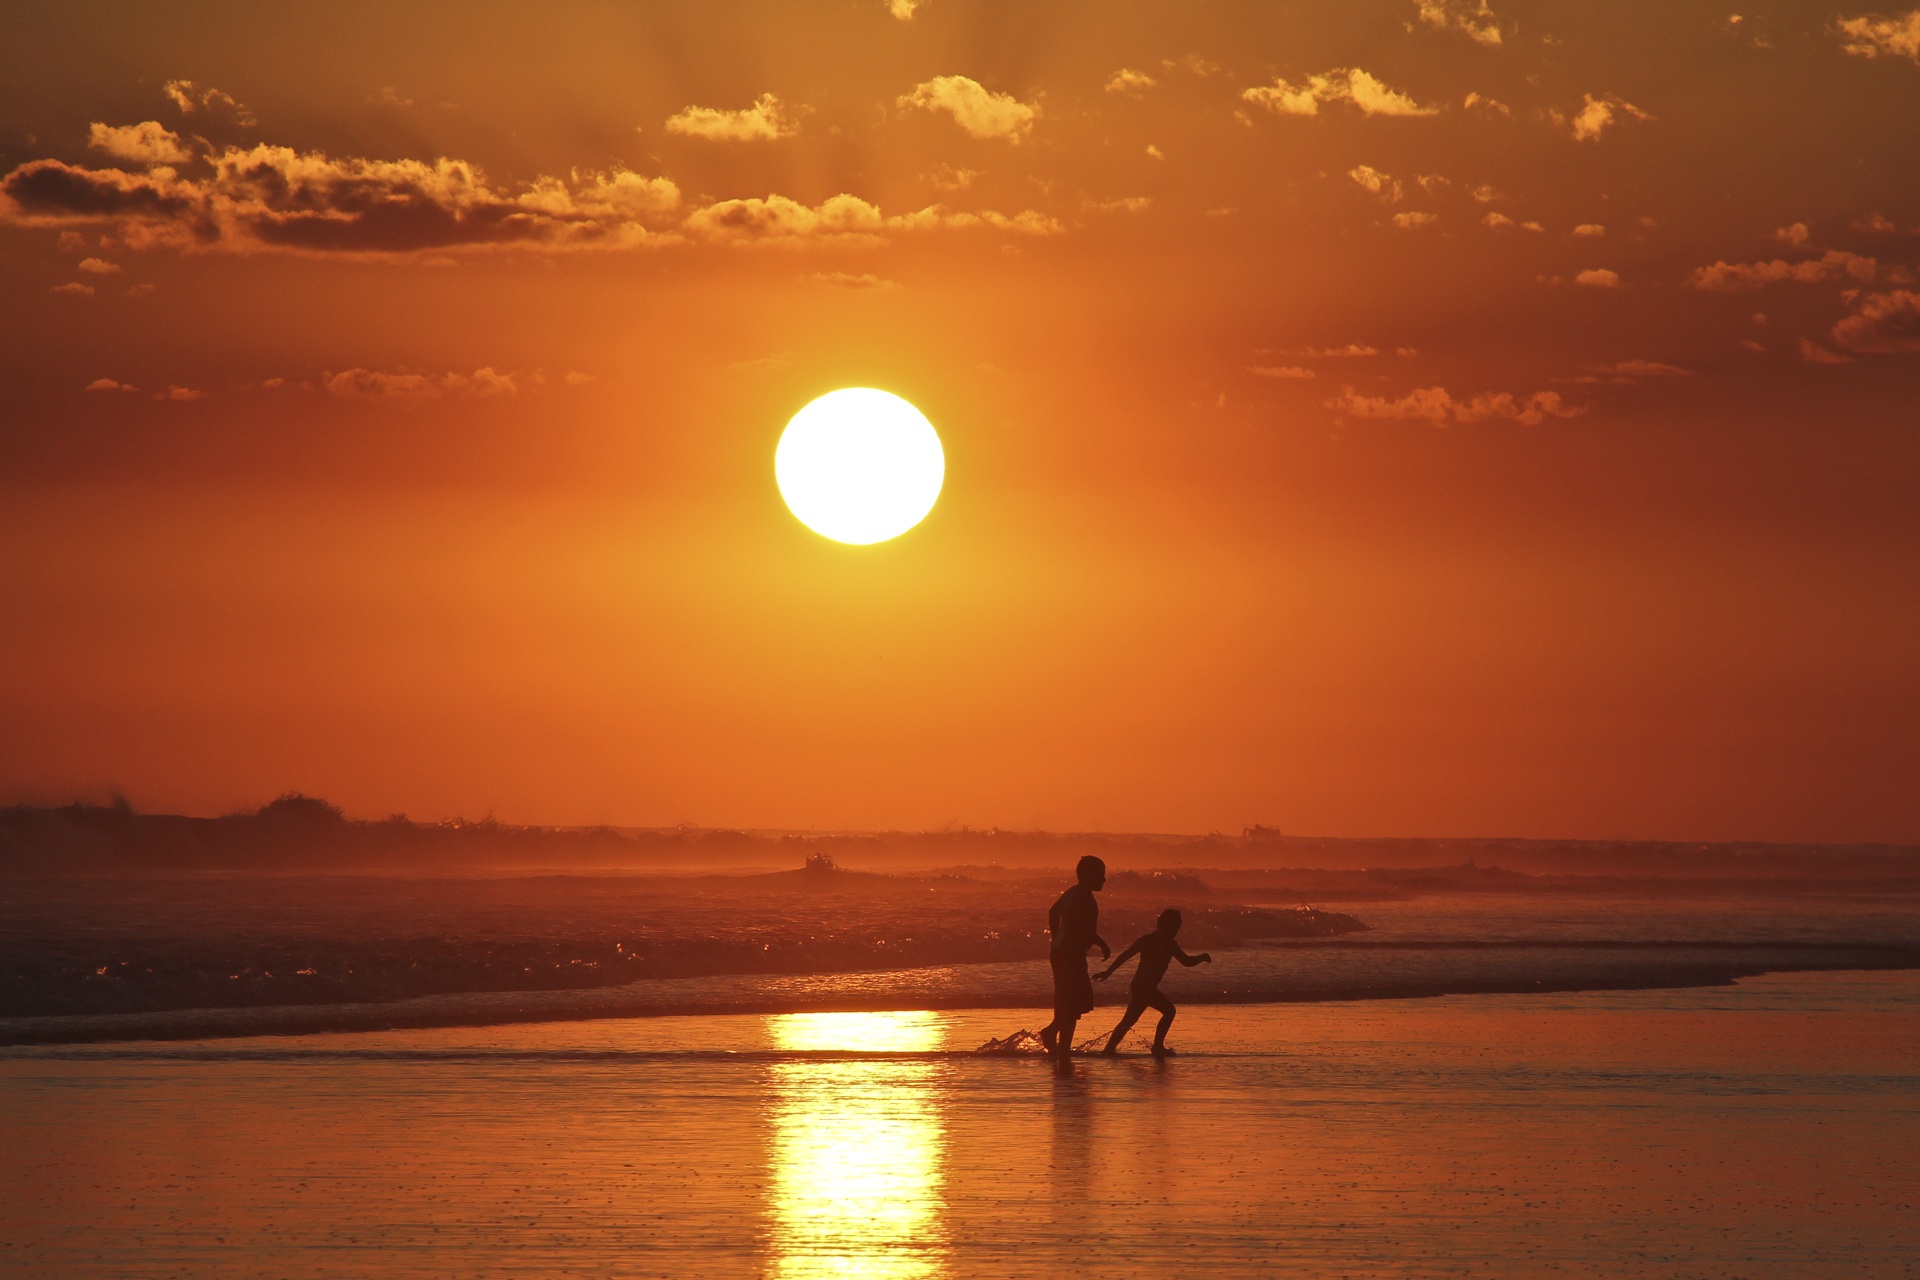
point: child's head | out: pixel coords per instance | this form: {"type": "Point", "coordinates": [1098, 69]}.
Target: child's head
{"type": "Point", "coordinates": [1091, 872]}
{"type": "Point", "coordinates": [1169, 922]}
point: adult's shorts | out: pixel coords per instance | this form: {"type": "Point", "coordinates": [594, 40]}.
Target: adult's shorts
{"type": "Point", "coordinates": [1072, 988]}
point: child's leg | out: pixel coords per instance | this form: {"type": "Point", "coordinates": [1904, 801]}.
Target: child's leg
{"type": "Point", "coordinates": [1135, 1007]}
{"type": "Point", "coordinates": [1165, 1006]}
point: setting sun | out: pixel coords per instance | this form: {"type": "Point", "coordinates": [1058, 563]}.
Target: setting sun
{"type": "Point", "coordinates": [860, 466]}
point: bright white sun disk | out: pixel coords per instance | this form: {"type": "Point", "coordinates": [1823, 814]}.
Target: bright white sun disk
{"type": "Point", "coordinates": [860, 466]}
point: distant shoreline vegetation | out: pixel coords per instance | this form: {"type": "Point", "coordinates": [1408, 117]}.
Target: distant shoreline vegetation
{"type": "Point", "coordinates": [298, 833]}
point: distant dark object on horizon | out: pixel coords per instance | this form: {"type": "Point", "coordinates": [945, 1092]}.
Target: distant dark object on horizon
{"type": "Point", "coordinates": [301, 833]}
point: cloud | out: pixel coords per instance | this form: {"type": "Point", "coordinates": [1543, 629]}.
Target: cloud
{"type": "Point", "coordinates": [388, 96]}
{"type": "Point", "coordinates": [1128, 81]}
{"type": "Point", "coordinates": [99, 267]}
{"type": "Point", "coordinates": [192, 99]}
{"type": "Point", "coordinates": [574, 378]}
{"type": "Point", "coordinates": [948, 178]}
{"type": "Point", "coordinates": [1727, 277]}
{"type": "Point", "coordinates": [1882, 324]}
{"type": "Point", "coordinates": [1352, 351]}
{"type": "Point", "coordinates": [1410, 221]}
{"type": "Point", "coordinates": [1436, 405]}
{"type": "Point", "coordinates": [1484, 105]}
{"type": "Point", "coordinates": [140, 290]}
{"type": "Point", "coordinates": [1280, 371]}
{"type": "Point", "coordinates": [1124, 204]}
{"type": "Point", "coordinates": [1590, 229]}
{"type": "Point", "coordinates": [1874, 222]}
{"type": "Point", "coordinates": [1380, 184]}
{"type": "Point", "coordinates": [846, 280]}
{"type": "Point", "coordinates": [1500, 222]}
{"type": "Point", "coordinates": [1195, 63]}
{"type": "Point", "coordinates": [268, 198]}
{"type": "Point", "coordinates": [843, 219]}
{"type": "Point", "coordinates": [1473, 18]}
{"type": "Point", "coordinates": [1796, 234]}
{"type": "Point", "coordinates": [1598, 278]}
{"type": "Point", "coordinates": [1593, 119]}
{"type": "Point", "coordinates": [181, 394]}
{"type": "Point", "coordinates": [148, 142]}
{"type": "Point", "coordinates": [1632, 371]}
{"type": "Point", "coordinates": [778, 218]}
{"type": "Point", "coordinates": [109, 384]}
{"type": "Point", "coordinates": [73, 288]}
{"type": "Point", "coordinates": [1028, 222]}
{"type": "Point", "coordinates": [1338, 85]}
{"type": "Point", "coordinates": [1814, 353]}
{"type": "Point", "coordinates": [904, 9]}
{"type": "Point", "coordinates": [764, 121]}
{"type": "Point", "coordinates": [1869, 37]}
{"type": "Point", "coordinates": [409, 387]}
{"type": "Point", "coordinates": [975, 108]}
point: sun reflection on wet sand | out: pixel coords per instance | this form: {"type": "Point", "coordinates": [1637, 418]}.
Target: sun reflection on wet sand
{"type": "Point", "coordinates": [856, 1186]}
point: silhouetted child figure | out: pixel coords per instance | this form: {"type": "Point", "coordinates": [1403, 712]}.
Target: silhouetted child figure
{"type": "Point", "coordinates": [1074, 922]}
{"type": "Point", "coordinates": [1155, 950]}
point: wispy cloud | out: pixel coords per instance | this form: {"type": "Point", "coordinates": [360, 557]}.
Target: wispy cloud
{"type": "Point", "coordinates": [1280, 371]}
{"type": "Point", "coordinates": [1438, 406]}
{"type": "Point", "coordinates": [194, 100]}
{"type": "Point", "coordinates": [1349, 84]}
{"type": "Point", "coordinates": [1813, 353]}
{"type": "Point", "coordinates": [866, 281]}
{"type": "Point", "coordinates": [1380, 184]}
{"type": "Point", "coordinates": [1882, 324]}
{"type": "Point", "coordinates": [1472, 18]}
{"type": "Point", "coordinates": [1727, 277]}
{"type": "Point", "coordinates": [101, 385]}
{"type": "Point", "coordinates": [1872, 36]}
{"type": "Point", "coordinates": [1598, 114]}
{"type": "Point", "coordinates": [1598, 278]}
{"type": "Point", "coordinates": [905, 9]}
{"type": "Point", "coordinates": [974, 107]}
{"type": "Point", "coordinates": [412, 387]}
{"type": "Point", "coordinates": [1130, 82]}
{"type": "Point", "coordinates": [268, 198]}
{"type": "Point", "coordinates": [778, 220]}
{"type": "Point", "coordinates": [74, 289]}
{"type": "Point", "coordinates": [764, 121]}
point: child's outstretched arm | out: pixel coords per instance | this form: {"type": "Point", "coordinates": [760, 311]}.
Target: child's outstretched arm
{"type": "Point", "coordinates": [1204, 957]}
{"type": "Point", "coordinates": [1125, 956]}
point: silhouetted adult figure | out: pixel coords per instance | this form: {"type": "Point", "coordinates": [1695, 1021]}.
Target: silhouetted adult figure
{"type": "Point", "coordinates": [1074, 923]}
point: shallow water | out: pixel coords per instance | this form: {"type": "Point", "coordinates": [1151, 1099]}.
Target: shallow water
{"type": "Point", "coordinates": [1425, 947]}
{"type": "Point", "coordinates": [1766, 1129]}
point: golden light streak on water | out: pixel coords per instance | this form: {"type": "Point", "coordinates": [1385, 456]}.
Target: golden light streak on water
{"type": "Point", "coordinates": [857, 1155]}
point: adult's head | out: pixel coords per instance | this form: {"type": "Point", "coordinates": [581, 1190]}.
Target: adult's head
{"type": "Point", "coordinates": [1091, 872]}
{"type": "Point", "coordinates": [1169, 921]}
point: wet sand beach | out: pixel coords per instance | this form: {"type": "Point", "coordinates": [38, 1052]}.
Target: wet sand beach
{"type": "Point", "coordinates": [1762, 1129]}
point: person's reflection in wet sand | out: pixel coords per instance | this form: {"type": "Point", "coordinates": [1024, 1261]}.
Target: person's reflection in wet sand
{"type": "Point", "coordinates": [1071, 1158]}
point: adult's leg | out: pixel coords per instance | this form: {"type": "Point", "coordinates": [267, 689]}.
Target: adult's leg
{"type": "Point", "coordinates": [1135, 1007]}
{"type": "Point", "coordinates": [1159, 1001]}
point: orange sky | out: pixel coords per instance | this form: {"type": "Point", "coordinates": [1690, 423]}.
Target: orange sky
{"type": "Point", "coordinates": [1413, 417]}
